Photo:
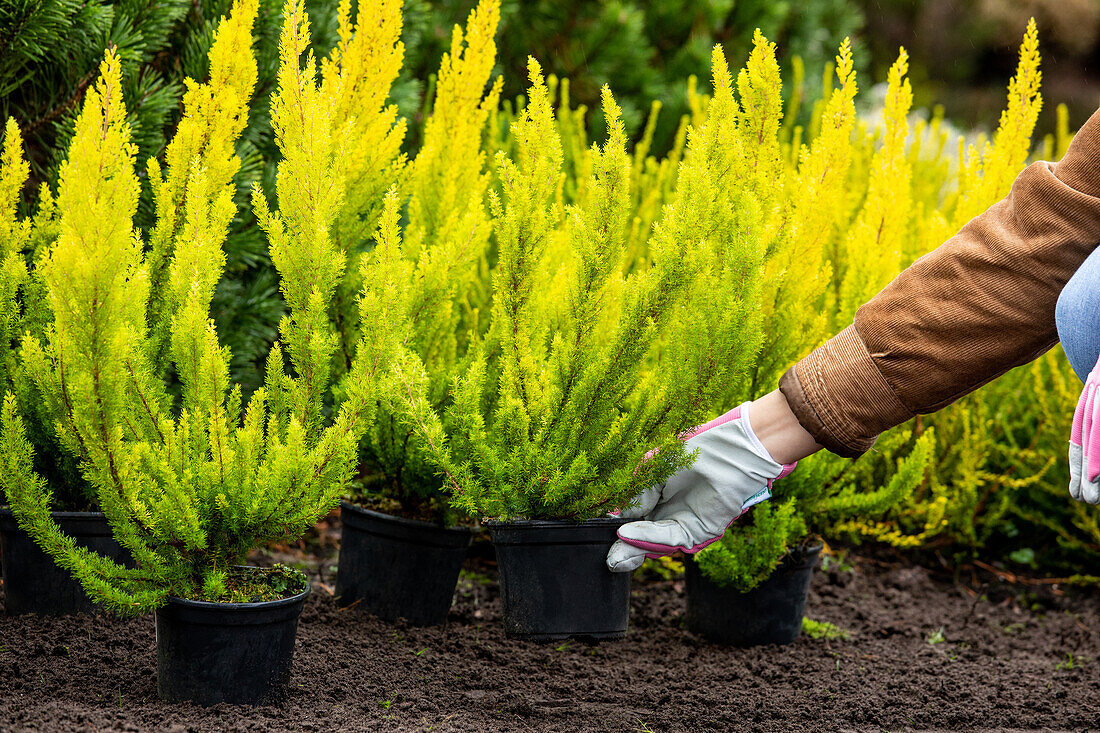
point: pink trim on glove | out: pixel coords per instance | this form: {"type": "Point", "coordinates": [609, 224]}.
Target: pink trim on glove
{"type": "Point", "coordinates": [656, 549]}
{"type": "Point", "coordinates": [1075, 434]}
{"type": "Point", "coordinates": [1091, 434]}
{"type": "Point", "coordinates": [787, 468]}
{"type": "Point", "coordinates": [733, 414]}
{"type": "Point", "coordinates": [720, 420]}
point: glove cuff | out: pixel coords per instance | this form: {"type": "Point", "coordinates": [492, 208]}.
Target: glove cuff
{"type": "Point", "coordinates": [746, 421]}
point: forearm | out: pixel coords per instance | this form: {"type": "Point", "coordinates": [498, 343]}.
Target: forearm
{"type": "Point", "coordinates": [779, 430]}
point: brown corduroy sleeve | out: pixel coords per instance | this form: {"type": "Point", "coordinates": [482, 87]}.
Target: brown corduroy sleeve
{"type": "Point", "coordinates": [962, 315]}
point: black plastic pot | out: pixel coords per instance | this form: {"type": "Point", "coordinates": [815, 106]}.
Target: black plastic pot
{"type": "Point", "coordinates": [770, 613]}
{"type": "Point", "coordinates": [237, 653]}
{"type": "Point", "coordinates": [33, 582]}
{"type": "Point", "coordinates": [554, 581]}
{"type": "Point", "coordinates": [398, 568]}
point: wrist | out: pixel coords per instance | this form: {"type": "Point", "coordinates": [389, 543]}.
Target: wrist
{"type": "Point", "coordinates": [779, 431]}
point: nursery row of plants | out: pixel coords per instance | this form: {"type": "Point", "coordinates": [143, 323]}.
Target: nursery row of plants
{"type": "Point", "coordinates": [645, 49]}
{"type": "Point", "coordinates": [510, 326]}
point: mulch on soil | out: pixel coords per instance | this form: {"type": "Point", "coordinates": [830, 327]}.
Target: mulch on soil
{"type": "Point", "coordinates": [1007, 661]}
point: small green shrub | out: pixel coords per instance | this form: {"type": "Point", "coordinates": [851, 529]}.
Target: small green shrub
{"type": "Point", "coordinates": [823, 630]}
{"type": "Point", "coordinates": [584, 369]}
{"type": "Point", "coordinates": [433, 276]}
{"type": "Point", "coordinates": [190, 486]}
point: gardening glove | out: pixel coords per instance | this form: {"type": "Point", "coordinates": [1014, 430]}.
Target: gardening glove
{"type": "Point", "coordinates": [694, 506]}
{"type": "Point", "coordinates": [1084, 442]}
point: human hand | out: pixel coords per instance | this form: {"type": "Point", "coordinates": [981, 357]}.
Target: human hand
{"type": "Point", "coordinates": [694, 506]}
{"type": "Point", "coordinates": [1084, 442]}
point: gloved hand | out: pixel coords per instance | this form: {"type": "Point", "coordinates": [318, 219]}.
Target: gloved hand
{"type": "Point", "coordinates": [694, 506]}
{"type": "Point", "coordinates": [1084, 442]}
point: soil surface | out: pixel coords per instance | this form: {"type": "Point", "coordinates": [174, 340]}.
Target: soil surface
{"type": "Point", "coordinates": [924, 653]}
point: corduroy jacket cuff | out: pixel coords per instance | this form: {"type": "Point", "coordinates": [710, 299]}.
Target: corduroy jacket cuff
{"type": "Point", "coordinates": [840, 397]}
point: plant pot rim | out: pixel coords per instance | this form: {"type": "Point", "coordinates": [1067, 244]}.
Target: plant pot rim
{"type": "Point", "coordinates": [796, 557]}
{"type": "Point", "coordinates": [242, 607]}
{"type": "Point", "coordinates": [802, 554]}
{"type": "Point", "coordinates": [556, 523]}
{"type": "Point", "coordinates": [404, 521]}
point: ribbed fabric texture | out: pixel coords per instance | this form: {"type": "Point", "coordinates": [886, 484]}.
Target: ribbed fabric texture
{"type": "Point", "coordinates": [840, 396]}
{"type": "Point", "coordinates": [962, 315]}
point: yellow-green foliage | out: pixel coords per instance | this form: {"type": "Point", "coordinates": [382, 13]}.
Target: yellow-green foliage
{"type": "Point", "coordinates": [986, 176]}
{"type": "Point", "coordinates": [823, 630]}
{"type": "Point", "coordinates": [802, 191]}
{"type": "Point", "coordinates": [861, 201]}
{"type": "Point", "coordinates": [435, 272]}
{"type": "Point", "coordinates": [745, 557]}
{"type": "Point", "coordinates": [964, 498]}
{"type": "Point", "coordinates": [24, 309]}
{"type": "Point", "coordinates": [15, 234]}
{"type": "Point", "coordinates": [585, 368]}
{"type": "Point", "coordinates": [355, 81]}
{"type": "Point", "coordinates": [97, 289]}
{"type": "Point", "coordinates": [860, 500]}
{"type": "Point", "coordinates": [872, 247]}
{"type": "Point", "coordinates": [448, 181]}
{"type": "Point", "coordinates": [718, 216]}
{"type": "Point", "coordinates": [189, 488]}
{"type": "Point", "coordinates": [811, 194]}
{"type": "Point", "coordinates": [652, 180]}
{"type": "Point", "coordinates": [200, 153]}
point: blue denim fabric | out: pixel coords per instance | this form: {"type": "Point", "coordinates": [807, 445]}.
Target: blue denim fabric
{"type": "Point", "coordinates": [1078, 316]}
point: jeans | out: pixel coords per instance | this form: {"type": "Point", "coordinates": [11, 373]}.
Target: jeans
{"type": "Point", "coordinates": [1078, 316]}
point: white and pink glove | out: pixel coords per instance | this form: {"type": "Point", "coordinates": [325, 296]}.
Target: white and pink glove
{"type": "Point", "coordinates": [694, 507]}
{"type": "Point", "coordinates": [1084, 442]}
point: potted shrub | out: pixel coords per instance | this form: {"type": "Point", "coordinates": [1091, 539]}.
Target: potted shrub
{"type": "Point", "coordinates": [402, 543]}
{"type": "Point", "coordinates": [743, 599]}
{"type": "Point", "coordinates": [584, 369]}
{"type": "Point", "coordinates": [751, 586]}
{"type": "Point", "coordinates": [191, 484]}
{"type": "Point", "coordinates": [33, 583]}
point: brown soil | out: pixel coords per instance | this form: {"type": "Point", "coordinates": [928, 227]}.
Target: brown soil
{"type": "Point", "coordinates": [423, 511]}
{"type": "Point", "coordinates": [1008, 660]}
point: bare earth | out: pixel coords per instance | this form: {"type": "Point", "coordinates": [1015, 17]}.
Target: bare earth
{"type": "Point", "coordinates": [1009, 660]}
